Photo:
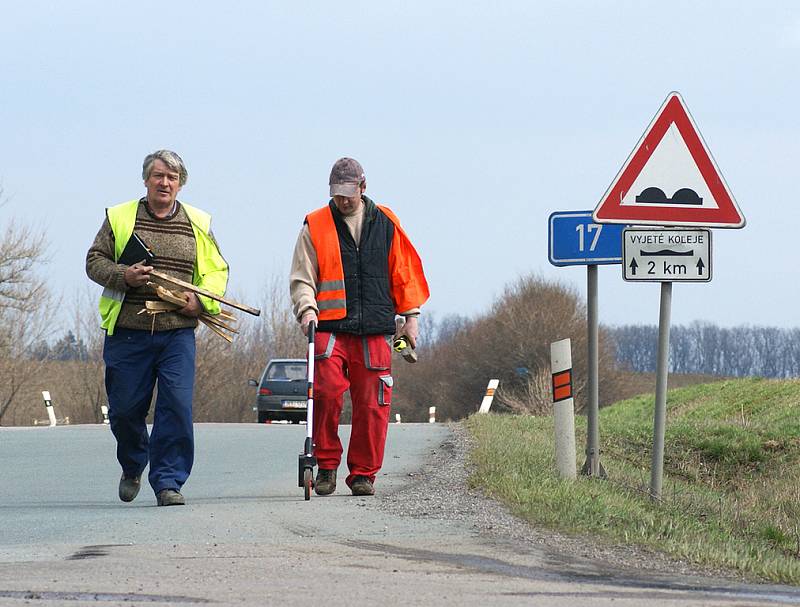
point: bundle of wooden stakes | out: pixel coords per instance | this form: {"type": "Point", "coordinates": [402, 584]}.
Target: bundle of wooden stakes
{"type": "Point", "coordinates": [171, 301]}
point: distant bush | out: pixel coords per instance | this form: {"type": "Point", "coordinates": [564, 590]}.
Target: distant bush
{"type": "Point", "coordinates": [510, 343]}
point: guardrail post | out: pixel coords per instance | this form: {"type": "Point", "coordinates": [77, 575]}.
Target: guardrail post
{"type": "Point", "coordinates": [489, 396]}
{"type": "Point", "coordinates": [48, 403]}
{"type": "Point", "coordinates": [563, 408]}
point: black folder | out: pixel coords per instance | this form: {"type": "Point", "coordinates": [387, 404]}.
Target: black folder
{"type": "Point", "coordinates": [135, 252]}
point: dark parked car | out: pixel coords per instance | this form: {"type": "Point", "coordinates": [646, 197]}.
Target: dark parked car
{"type": "Point", "coordinates": [282, 391]}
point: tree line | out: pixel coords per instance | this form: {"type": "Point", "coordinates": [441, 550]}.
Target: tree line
{"type": "Point", "coordinates": [708, 349]}
{"type": "Point", "coordinates": [458, 354]}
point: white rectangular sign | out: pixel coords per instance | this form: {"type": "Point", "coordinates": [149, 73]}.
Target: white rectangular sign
{"type": "Point", "coordinates": [666, 254]}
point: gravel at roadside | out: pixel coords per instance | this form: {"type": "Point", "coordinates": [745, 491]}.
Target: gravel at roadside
{"type": "Point", "coordinates": [440, 491]}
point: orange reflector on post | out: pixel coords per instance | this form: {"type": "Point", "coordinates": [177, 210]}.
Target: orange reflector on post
{"type": "Point", "coordinates": [563, 378]}
{"type": "Point", "coordinates": [489, 391]}
{"type": "Point", "coordinates": [562, 385]}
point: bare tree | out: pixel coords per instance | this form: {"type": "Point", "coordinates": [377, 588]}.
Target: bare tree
{"type": "Point", "coordinates": [22, 249]}
{"type": "Point", "coordinates": [24, 307]}
{"type": "Point", "coordinates": [88, 385]}
{"type": "Point", "coordinates": [22, 331]}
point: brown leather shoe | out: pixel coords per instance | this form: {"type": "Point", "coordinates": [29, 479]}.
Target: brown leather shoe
{"type": "Point", "coordinates": [170, 497]}
{"type": "Point", "coordinates": [129, 487]}
{"type": "Point", "coordinates": [362, 486]}
{"type": "Point", "coordinates": [326, 482]}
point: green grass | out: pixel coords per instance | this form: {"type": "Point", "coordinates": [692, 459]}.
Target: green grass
{"type": "Point", "coordinates": [731, 490]}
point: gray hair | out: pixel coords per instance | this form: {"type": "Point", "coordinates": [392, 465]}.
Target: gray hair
{"type": "Point", "coordinates": [168, 157]}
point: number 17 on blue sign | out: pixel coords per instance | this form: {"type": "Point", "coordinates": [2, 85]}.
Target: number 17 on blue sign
{"type": "Point", "coordinates": [574, 240]}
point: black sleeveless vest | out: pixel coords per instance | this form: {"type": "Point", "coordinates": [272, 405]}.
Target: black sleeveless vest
{"type": "Point", "coordinates": [370, 309]}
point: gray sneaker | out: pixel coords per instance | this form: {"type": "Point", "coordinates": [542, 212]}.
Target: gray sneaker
{"type": "Point", "coordinates": [170, 497]}
{"type": "Point", "coordinates": [362, 486]}
{"type": "Point", "coordinates": [129, 487]}
{"type": "Point", "coordinates": [326, 482]}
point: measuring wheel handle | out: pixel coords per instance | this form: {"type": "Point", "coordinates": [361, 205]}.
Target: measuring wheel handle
{"type": "Point", "coordinates": [307, 461]}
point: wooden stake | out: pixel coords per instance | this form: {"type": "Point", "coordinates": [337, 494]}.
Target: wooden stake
{"type": "Point", "coordinates": [208, 318]}
{"type": "Point", "coordinates": [219, 332]}
{"type": "Point", "coordinates": [190, 287]}
{"type": "Point", "coordinates": [161, 306]}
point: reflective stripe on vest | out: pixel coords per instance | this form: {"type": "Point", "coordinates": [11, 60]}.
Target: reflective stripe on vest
{"type": "Point", "coordinates": [331, 299]}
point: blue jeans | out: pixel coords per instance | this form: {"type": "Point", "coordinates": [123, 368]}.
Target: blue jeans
{"type": "Point", "coordinates": [135, 361]}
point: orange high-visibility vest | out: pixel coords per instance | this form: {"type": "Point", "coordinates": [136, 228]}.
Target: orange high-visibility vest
{"type": "Point", "coordinates": [409, 288]}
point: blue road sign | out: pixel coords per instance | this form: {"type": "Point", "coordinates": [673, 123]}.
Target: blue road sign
{"type": "Point", "coordinates": [575, 239]}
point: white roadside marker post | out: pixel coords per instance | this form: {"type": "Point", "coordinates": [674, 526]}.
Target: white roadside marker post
{"type": "Point", "coordinates": [104, 411]}
{"type": "Point", "coordinates": [489, 396]}
{"type": "Point", "coordinates": [48, 403]}
{"type": "Point", "coordinates": [563, 408]}
{"type": "Point", "coordinates": [432, 415]}
{"type": "Point", "coordinates": [397, 418]}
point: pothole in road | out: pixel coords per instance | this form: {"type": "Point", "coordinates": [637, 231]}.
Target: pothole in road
{"type": "Point", "coordinates": [94, 551]}
{"type": "Point", "coordinates": [91, 552]}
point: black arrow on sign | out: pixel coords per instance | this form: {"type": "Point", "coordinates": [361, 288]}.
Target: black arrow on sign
{"type": "Point", "coordinates": [700, 266]}
{"type": "Point", "coordinates": [633, 266]}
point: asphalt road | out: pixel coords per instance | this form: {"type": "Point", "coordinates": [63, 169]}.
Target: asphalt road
{"type": "Point", "coordinates": [247, 536]}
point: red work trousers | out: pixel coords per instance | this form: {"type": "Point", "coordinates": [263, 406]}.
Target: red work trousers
{"type": "Point", "coordinates": [362, 363]}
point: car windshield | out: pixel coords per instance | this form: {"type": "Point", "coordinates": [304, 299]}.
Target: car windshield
{"type": "Point", "coordinates": [287, 371]}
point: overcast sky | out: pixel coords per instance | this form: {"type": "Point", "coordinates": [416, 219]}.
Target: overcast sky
{"type": "Point", "coordinates": [473, 121]}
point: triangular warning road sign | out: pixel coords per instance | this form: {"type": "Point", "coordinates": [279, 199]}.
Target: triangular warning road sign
{"type": "Point", "coordinates": [670, 178]}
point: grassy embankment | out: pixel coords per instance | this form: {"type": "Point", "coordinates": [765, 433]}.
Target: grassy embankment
{"type": "Point", "coordinates": [731, 492]}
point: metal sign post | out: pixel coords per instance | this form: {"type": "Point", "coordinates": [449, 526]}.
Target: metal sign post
{"type": "Point", "coordinates": [664, 255]}
{"type": "Point", "coordinates": [575, 239]}
{"type": "Point", "coordinates": [592, 465]}
{"type": "Point", "coordinates": [662, 370]}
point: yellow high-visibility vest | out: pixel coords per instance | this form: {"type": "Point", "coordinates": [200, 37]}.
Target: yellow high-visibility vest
{"type": "Point", "coordinates": [210, 269]}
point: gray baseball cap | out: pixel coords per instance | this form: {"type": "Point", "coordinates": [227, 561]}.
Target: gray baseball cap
{"type": "Point", "coordinates": [346, 175]}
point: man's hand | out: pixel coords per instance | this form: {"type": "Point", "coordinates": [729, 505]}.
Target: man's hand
{"type": "Point", "coordinates": [308, 317]}
{"type": "Point", "coordinates": [410, 329]}
{"type": "Point", "coordinates": [193, 307]}
{"type": "Point", "coordinates": [137, 275]}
